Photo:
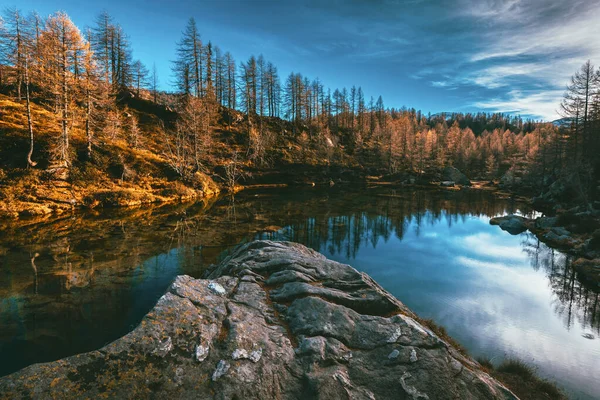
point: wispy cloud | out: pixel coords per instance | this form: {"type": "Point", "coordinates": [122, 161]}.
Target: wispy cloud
{"type": "Point", "coordinates": [542, 103]}
{"type": "Point", "coordinates": [441, 84]}
{"type": "Point", "coordinates": [438, 55]}
{"type": "Point", "coordinates": [574, 28]}
{"type": "Point", "coordinates": [530, 50]}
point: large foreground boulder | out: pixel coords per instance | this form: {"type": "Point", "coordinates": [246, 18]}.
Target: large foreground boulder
{"type": "Point", "coordinates": [272, 321]}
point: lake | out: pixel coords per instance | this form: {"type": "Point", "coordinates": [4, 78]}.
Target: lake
{"type": "Point", "coordinates": [79, 282]}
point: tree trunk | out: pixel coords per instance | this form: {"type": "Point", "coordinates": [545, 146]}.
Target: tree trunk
{"type": "Point", "coordinates": [65, 105]}
{"type": "Point", "coordinates": [30, 163]}
{"type": "Point", "coordinates": [88, 131]}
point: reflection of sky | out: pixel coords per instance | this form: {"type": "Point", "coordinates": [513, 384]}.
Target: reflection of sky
{"type": "Point", "coordinates": [476, 281]}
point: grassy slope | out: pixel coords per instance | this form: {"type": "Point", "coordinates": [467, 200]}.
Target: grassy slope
{"type": "Point", "coordinates": [117, 175]}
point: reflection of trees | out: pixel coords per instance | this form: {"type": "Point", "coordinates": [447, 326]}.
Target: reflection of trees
{"type": "Point", "coordinates": [92, 280]}
{"type": "Point", "coordinates": [343, 227]}
{"type": "Point", "coordinates": [575, 301]}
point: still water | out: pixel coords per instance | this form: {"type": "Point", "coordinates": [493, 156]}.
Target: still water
{"type": "Point", "coordinates": [77, 283]}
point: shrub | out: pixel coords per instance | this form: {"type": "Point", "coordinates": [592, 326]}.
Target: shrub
{"type": "Point", "coordinates": [516, 367]}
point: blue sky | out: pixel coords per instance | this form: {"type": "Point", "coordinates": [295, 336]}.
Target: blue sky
{"type": "Point", "coordinates": [435, 55]}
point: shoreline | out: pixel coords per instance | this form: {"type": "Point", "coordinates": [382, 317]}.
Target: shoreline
{"type": "Point", "coordinates": [129, 196]}
{"type": "Point", "coordinates": [565, 237]}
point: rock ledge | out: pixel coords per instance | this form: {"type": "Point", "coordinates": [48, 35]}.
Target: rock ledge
{"type": "Point", "coordinates": [274, 320]}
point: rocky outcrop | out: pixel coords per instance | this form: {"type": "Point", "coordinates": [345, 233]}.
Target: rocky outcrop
{"type": "Point", "coordinates": [511, 179]}
{"type": "Point", "coordinates": [452, 174]}
{"type": "Point", "coordinates": [513, 224]}
{"type": "Point", "coordinates": [589, 270]}
{"type": "Point", "coordinates": [272, 321]}
{"type": "Point", "coordinates": [574, 238]}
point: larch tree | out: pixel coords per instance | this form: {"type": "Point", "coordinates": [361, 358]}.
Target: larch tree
{"type": "Point", "coordinates": [273, 88]}
{"type": "Point", "coordinates": [60, 43]}
{"type": "Point", "coordinates": [27, 57]}
{"type": "Point", "coordinates": [248, 82]}
{"type": "Point", "coordinates": [576, 106]}
{"type": "Point", "coordinates": [261, 71]}
{"type": "Point", "coordinates": [230, 81]}
{"type": "Point", "coordinates": [122, 61]}
{"type": "Point", "coordinates": [139, 76]}
{"type": "Point", "coordinates": [154, 83]}
{"type": "Point", "coordinates": [220, 72]}
{"type": "Point", "coordinates": [14, 41]}
{"type": "Point", "coordinates": [101, 41]}
{"type": "Point", "coordinates": [210, 90]}
{"type": "Point", "coordinates": [94, 95]}
{"type": "Point", "coordinates": [188, 67]}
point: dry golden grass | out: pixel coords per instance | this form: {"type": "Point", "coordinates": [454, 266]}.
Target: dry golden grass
{"type": "Point", "coordinates": [119, 175]}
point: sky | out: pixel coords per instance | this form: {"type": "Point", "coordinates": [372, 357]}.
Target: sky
{"type": "Point", "coordinates": [512, 56]}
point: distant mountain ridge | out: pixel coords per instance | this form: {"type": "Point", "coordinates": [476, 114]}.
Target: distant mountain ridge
{"type": "Point", "coordinates": [562, 122]}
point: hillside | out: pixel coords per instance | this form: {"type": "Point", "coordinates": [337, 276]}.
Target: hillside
{"type": "Point", "coordinates": [120, 174]}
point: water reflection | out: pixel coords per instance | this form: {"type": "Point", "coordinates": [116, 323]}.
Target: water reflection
{"type": "Point", "coordinates": [76, 283]}
{"type": "Point", "coordinates": [577, 301]}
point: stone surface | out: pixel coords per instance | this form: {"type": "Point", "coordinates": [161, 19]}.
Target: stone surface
{"type": "Point", "coordinates": [273, 321]}
{"type": "Point", "coordinates": [452, 174]}
{"type": "Point", "coordinates": [511, 179]}
{"type": "Point", "coordinates": [545, 222]}
{"type": "Point", "coordinates": [512, 224]}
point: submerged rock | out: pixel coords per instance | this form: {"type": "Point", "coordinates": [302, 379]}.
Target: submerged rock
{"type": "Point", "coordinates": [512, 224]}
{"type": "Point", "coordinates": [281, 321]}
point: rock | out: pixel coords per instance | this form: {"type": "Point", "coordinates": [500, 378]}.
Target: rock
{"type": "Point", "coordinates": [216, 288]}
{"type": "Point", "coordinates": [588, 270]}
{"type": "Point", "coordinates": [222, 368]}
{"type": "Point", "coordinates": [545, 222]}
{"type": "Point", "coordinates": [253, 356]}
{"type": "Point", "coordinates": [560, 231]}
{"type": "Point", "coordinates": [395, 336]}
{"type": "Point", "coordinates": [314, 329]}
{"type": "Point", "coordinates": [559, 238]}
{"type": "Point", "coordinates": [454, 175]}
{"type": "Point", "coordinates": [512, 224]}
{"type": "Point", "coordinates": [201, 353]}
{"type": "Point", "coordinates": [413, 356]}
{"type": "Point", "coordinates": [511, 179]}
{"type": "Point", "coordinates": [559, 194]}
{"type": "Point", "coordinates": [594, 243]}
{"type": "Point", "coordinates": [394, 354]}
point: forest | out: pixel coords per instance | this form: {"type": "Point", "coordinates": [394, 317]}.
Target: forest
{"type": "Point", "coordinates": [76, 106]}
